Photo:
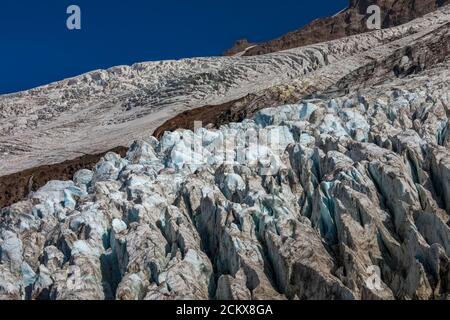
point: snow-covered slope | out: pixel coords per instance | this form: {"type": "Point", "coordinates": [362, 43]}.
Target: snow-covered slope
{"type": "Point", "coordinates": [108, 108]}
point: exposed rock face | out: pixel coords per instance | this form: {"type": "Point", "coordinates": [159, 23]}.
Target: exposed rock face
{"type": "Point", "coordinates": [348, 22]}
{"type": "Point", "coordinates": [344, 194]}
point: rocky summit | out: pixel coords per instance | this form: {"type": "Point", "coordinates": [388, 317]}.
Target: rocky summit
{"type": "Point", "coordinates": [327, 179]}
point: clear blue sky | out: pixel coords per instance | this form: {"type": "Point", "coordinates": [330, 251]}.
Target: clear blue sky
{"type": "Point", "coordinates": [37, 48]}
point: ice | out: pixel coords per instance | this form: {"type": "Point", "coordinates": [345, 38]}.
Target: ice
{"type": "Point", "coordinates": [119, 226]}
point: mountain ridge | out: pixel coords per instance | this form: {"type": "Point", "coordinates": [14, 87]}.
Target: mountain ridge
{"type": "Point", "coordinates": [347, 22]}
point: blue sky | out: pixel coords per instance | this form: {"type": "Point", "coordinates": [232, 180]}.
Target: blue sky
{"type": "Point", "coordinates": [37, 48]}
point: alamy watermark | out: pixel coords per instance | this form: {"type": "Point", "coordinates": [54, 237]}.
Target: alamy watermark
{"type": "Point", "coordinates": [74, 278]}
{"type": "Point", "coordinates": [373, 281]}
{"type": "Point", "coordinates": [73, 22]}
{"type": "Point", "coordinates": [374, 17]}
{"type": "Point", "coordinates": [254, 147]}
